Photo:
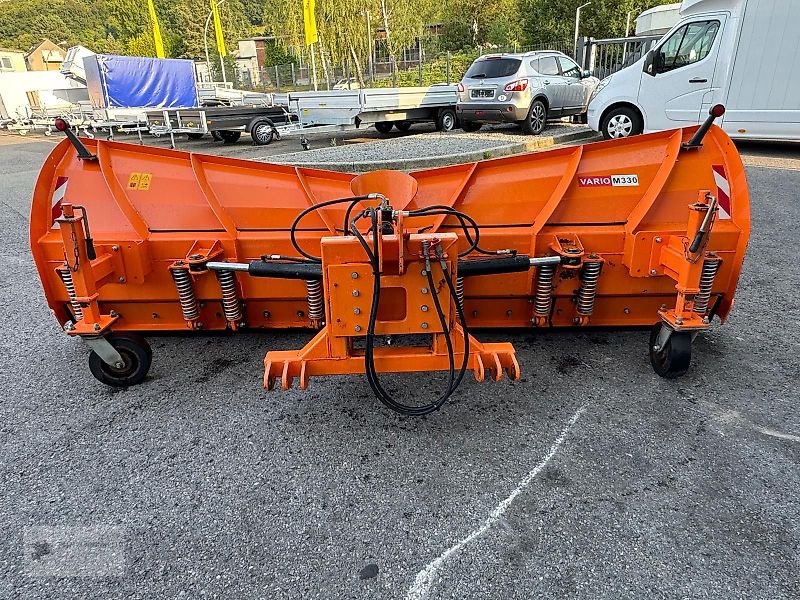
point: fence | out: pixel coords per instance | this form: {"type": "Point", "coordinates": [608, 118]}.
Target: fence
{"type": "Point", "coordinates": [423, 64]}
{"type": "Point", "coordinates": [605, 57]}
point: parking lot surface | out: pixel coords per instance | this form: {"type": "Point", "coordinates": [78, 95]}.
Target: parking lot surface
{"type": "Point", "coordinates": [589, 478]}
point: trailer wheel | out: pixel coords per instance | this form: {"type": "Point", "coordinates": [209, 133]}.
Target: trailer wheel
{"type": "Point", "coordinates": [136, 355]}
{"type": "Point", "coordinates": [470, 126]}
{"type": "Point", "coordinates": [195, 136]}
{"type": "Point", "coordinates": [217, 137]}
{"type": "Point", "coordinates": [230, 137]}
{"type": "Point", "coordinates": [384, 126]}
{"type": "Point", "coordinates": [262, 132]}
{"type": "Point", "coordinates": [446, 120]}
{"type": "Point", "coordinates": [403, 125]}
{"type": "Point", "coordinates": [674, 357]}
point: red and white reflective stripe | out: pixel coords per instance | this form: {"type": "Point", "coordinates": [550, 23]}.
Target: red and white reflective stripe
{"type": "Point", "coordinates": [58, 196]}
{"type": "Point", "coordinates": [723, 191]}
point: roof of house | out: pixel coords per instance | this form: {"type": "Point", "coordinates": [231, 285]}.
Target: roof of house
{"type": "Point", "coordinates": [12, 50]}
{"type": "Point", "coordinates": [42, 43]}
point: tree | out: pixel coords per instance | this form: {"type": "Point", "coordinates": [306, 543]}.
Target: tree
{"type": "Point", "coordinates": [547, 21]}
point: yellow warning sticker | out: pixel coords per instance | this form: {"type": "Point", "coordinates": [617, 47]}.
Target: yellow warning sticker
{"type": "Point", "coordinates": [133, 181]}
{"type": "Point", "coordinates": [144, 181]}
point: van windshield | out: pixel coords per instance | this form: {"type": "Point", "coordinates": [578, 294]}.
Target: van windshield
{"type": "Point", "coordinates": [490, 68]}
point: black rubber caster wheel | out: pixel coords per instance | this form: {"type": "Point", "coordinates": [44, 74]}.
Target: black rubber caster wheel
{"type": "Point", "coordinates": [674, 358]}
{"type": "Point", "coordinates": [136, 355]}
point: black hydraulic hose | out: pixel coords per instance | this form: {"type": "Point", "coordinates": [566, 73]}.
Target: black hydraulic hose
{"type": "Point", "coordinates": [462, 218]}
{"type": "Point", "coordinates": [462, 318]}
{"type": "Point", "coordinates": [310, 209]}
{"type": "Point", "coordinates": [369, 358]}
{"type": "Point", "coordinates": [441, 209]}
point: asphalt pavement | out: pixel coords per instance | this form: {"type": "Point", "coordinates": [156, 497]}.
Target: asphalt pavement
{"type": "Point", "coordinates": [589, 478]}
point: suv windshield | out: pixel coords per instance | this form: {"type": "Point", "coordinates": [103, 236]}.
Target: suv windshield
{"type": "Point", "coordinates": [489, 68]}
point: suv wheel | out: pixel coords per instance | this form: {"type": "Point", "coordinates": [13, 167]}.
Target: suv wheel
{"type": "Point", "coordinates": [536, 120]}
{"type": "Point", "coordinates": [621, 122]}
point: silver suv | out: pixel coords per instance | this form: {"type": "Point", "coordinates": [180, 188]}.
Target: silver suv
{"type": "Point", "coordinates": [527, 88]}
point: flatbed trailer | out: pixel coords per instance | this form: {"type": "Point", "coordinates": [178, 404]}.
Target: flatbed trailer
{"type": "Point", "coordinates": [382, 107]}
{"type": "Point", "coordinates": [225, 123]}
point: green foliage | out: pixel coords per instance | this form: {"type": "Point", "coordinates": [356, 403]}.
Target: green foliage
{"type": "Point", "coordinates": [473, 23]}
{"type": "Point", "coordinates": [123, 26]}
{"type": "Point", "coordinates": [546, 21]}
{"type": "Point", "coordinates": [434, 71]}
{"type": "Point", "coordinates": [275, 54]}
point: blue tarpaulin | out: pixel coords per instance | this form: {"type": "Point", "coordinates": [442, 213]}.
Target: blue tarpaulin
{"type": "Point", "coordinates": [139, 82]}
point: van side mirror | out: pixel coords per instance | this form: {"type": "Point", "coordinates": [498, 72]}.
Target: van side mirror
{"type": "Point", "coordinates": [585, 74]}
{"type": "Point", "coordinates": [649, 63]}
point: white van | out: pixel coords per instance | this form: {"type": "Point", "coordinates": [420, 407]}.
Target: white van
{"type": "Point", "coordinates": [740, 53]}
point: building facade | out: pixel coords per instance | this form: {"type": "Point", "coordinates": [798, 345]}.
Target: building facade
{"type": "Point", "coordinates": [45, 56]}
{"type": "Point", "coordinates": [12, 61]}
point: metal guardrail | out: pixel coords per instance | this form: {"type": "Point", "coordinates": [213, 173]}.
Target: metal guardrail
{"type": "Point", "coordinates": [605, 57]}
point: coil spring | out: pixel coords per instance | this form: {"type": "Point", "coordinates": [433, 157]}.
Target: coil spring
{"type": "Point", "coordinates": [316, 305]}
{"type": "Point", "coordinates": [66, 277]}
{"type": "Point", "coordinates": [543, 301]}
{"type": "Point", "coordinates": [183, 281]}
{"type": "Point", "coordinates": [460, 291]}
{"type": "Point", "coordinates": [231, 306]}
{"type": "Point", "coordinates": [707, 276]}
{"type": "Point", "coordinates": [590, 274]}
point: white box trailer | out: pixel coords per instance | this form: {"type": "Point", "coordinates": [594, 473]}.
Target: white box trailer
{"type": "Point", "coordinates": [738, 53]}
{"type": "Point", "coordinates": [21, 92]}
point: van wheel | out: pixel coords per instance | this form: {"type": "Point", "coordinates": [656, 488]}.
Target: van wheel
{"type": "Point", "coordinates": [536, 120]}
{"type": "Point", "coordinates": [403, 125]}
{"type": "Point", "coordinates": [470, 126]}
{"type": "Point", "coordinates": [384, 126]}
{"type": "Point", "coordinates": [446, 121]}
{"type": "Point", "coordinates": [621, 122]}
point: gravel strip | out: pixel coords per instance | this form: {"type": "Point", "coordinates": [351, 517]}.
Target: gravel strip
{"type": "Point", "coordinates": [422, 146]}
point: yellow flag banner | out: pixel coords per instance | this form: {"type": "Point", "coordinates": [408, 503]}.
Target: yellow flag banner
{"type": "Point", "coordinates": [156, 30]}
{"type": "Point", "coordinates": [218, 29]}
{"type": "Point", "coordinates": [310, 22]}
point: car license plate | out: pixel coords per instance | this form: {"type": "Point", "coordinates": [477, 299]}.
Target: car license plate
{"type": "Point", "coordinates": [481, 93]}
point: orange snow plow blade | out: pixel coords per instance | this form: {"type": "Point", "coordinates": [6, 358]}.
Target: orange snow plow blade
{"type": "Point", "coordinates": [640, 231]}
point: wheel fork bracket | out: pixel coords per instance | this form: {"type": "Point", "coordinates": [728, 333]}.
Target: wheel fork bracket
{"type": "Point", "coordinates": [103, 348]}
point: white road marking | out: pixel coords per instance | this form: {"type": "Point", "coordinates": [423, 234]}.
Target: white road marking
{"type": "Point", "coordinates": [778, 434]}
{"type": "Point", "coordinates": [425, 578]}
{"type": "Point", "coordinates": [727, 416]}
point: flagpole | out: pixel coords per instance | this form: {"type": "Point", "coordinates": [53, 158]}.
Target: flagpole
{"type": "Point", "coordinates": [314, 66]}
